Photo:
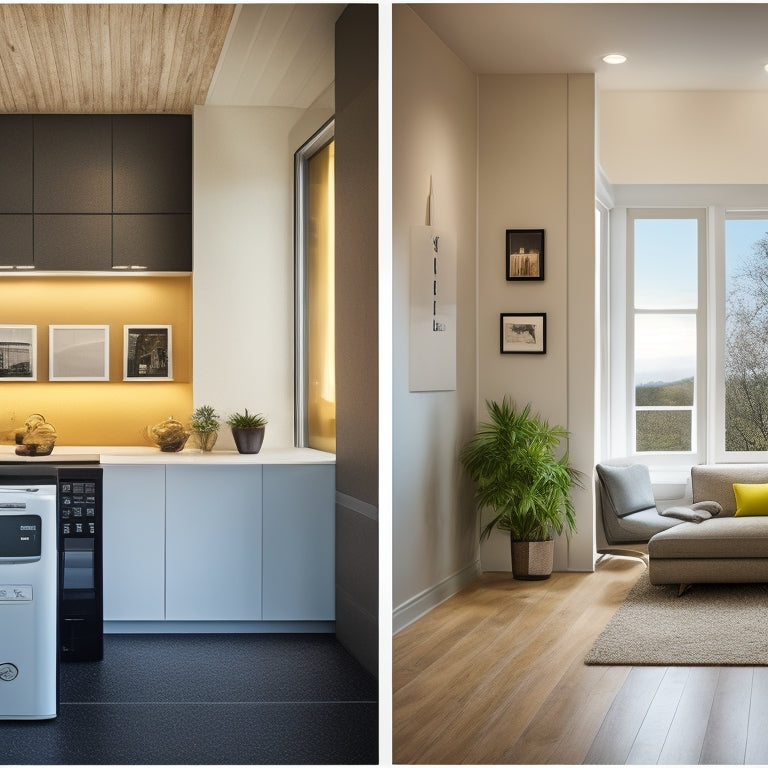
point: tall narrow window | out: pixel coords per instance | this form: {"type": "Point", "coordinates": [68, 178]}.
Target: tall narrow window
{"type": "Point", "coordinates": [315, 299]}
{"type": "Point", "coordinates": [746, 344]}
{"type": "Point", "coordinates": [666, 256]}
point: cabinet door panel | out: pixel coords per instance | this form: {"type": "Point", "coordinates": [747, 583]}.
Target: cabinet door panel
{"type": "Point", "coordinates": [213, 543]}
{"type": "Point", "coordinates": [152, 164]}
{"type": "Point", "coordinates": [73, 164]}
{"type": "Point", "coordinates": [16, 164]}
{"type": "Point", "coordinates": [73, 242]}
{"type": "Point", "coordinates": [161, 242]}
{"type": "Point", "coordinates": [299, 542]}
{"type": "Point", "coordinates": [16, 239]}
{"type": "Point", "coordinates": [134, 543]}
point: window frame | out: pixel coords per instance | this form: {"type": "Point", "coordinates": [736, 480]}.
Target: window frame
{"type": "Point", "coordinates": [319, 140]}
{"type": "Point", "coordinates": [718, 452]}
{"type": "Point", "coordinates": [719, 202]}
{"type": "Point", "coordinates": [698, 409]}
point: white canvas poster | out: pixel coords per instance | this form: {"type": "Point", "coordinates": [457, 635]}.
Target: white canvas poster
{"type": "Point", "coordinates": [432, 355]}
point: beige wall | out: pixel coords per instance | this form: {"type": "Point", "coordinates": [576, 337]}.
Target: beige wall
{"type": "Point", "coordinates": [435, 534]}
{"type": "Point", "coordinates": [243, 264]}
{"type": "Point", "coordinates": [702, 137]}
{"type": "Point", "coordinates": [536, 171]}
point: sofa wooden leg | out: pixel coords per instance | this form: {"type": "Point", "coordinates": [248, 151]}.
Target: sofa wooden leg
{"type": "Point", "coordinates": [683, 588]}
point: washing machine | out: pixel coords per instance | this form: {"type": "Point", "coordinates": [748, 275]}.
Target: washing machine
{"type": "Point", "coordinates": [29, 637]}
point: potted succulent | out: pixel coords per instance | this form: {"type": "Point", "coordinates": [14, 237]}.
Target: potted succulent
{"type": "Point", "coordinates": [512, 459]}
{"type": "Point", "coordinates": [205, 425]}
{"type": "Point", "coordinates": [248, 431]}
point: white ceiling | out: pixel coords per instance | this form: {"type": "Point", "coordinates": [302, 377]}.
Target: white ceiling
{"type": "Point", "coordinates": [670, 46]}
{"type": "Point", "coordinates": [277, 55]}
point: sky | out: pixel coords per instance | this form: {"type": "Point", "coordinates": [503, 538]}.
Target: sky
{"type": "Point", "coordinates": [666, 277]}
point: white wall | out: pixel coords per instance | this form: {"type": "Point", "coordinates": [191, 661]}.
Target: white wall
{"type": "Point", "coordinates": [536, 171]}
{"type": "Point", "coordinates": [243, 264]}
{"type": "Point", "coordinates": [701, 137]}
{"type": "Point", "coordinates": [435, 534]}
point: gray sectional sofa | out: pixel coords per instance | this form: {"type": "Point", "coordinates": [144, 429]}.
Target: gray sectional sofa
{"type": "Point", "coordinates": [724, 548]}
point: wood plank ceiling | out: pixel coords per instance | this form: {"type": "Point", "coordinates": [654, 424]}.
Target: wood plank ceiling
{"type": "Point", "coordinates": [110, 58]}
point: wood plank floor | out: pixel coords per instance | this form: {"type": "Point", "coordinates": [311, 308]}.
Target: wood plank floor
{"type": "Point", "coordinates": [496, 675]}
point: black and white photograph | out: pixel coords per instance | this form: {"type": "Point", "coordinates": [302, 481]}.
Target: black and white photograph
{"type": "Point", "coordinates": [523, 333]}
{"type": "Point", "coordinates": [525, 254]}
{"type": "Point", "coordinates": [78, 353]}
{"type": "Point", "coordinates": [18, 352]}
{"type": "Point", "coordinates": [147, 353]}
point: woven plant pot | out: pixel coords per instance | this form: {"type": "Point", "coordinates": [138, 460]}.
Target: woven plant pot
{"type": "Point", "coordinates": [533, 560]}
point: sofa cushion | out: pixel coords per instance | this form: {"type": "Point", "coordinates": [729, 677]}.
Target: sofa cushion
{"type": "Point", "coordinates": [720, 537]}
{"type": "Point", "coordinates": [628, 488]}
{"type": "Point", "coordinates": [751, 499]}
{"type": "Point", "coordinates": [715, 482]}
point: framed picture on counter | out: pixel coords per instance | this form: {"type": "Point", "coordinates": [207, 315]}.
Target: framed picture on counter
{"type": "Point", "coordinates": [18, 353]}
{"type": "Point", "coordinates": [147, 353]}
{"type": "Point", "coordinates": [78, 353]}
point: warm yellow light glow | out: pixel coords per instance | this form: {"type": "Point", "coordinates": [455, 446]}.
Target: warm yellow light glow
{"type": "Point", "coordinates": [98, 413]}
{"type": "Point", "coordinates": [321, 368]}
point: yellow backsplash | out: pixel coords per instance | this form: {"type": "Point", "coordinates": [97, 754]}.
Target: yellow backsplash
{"type": "Point", "coordinates": [98, 412]}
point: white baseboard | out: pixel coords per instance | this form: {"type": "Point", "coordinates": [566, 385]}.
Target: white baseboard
{"type": "Point", "coordinates": [424, 602]}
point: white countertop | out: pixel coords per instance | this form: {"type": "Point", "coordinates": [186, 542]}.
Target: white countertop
{"type": "Point", "coordinates": [132, 454]}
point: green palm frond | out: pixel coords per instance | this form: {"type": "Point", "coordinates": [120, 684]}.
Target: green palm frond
{"type": "Point", "coordinates": [512, 460]}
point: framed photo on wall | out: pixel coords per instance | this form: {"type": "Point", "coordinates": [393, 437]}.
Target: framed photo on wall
{"type": "Point", "coordinates": [18, 353]}
{"type": "Point", "coordinates": [523, 333]}
{"type": "Point", "coordinates": [525, 254]}
{"type": "Point", "coordinates": [78, 353]}
{"type": "Point", "coordinates": [147, 353]}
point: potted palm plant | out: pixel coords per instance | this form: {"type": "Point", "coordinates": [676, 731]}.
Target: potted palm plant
{"type": "Point", "coordinates": [519, 477]}
{"type": "Point", "coordinates": [248, 431]}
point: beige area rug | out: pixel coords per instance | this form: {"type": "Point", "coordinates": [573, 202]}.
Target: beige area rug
{"type": "Point", "coordinates": [711, 624]}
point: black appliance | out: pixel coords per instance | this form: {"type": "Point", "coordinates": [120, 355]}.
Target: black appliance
{"type": "Point", "coordinates": [81, 609]}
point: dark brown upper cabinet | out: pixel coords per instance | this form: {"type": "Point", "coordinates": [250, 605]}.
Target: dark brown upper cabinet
{"type": "Point", "coordinates": [73, 164]}
{"type": "Point", "coordinates": [16, 164]}
{"type": "Point", "coordinates": [152, 168]}
{"type": "Point", "coordinates": [159, 242]}
{"type": "Point", "coordinates": [16, 240]}
{"type": "Point", "coordinates": [80, 242]}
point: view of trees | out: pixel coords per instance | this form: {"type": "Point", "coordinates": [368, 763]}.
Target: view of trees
{"type": "Point", "coordinates": [746, 359]}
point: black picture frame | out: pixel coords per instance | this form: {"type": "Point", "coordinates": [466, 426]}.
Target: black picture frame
{"type": "Point", "coordinates": [525, 254]}
{"type": "Point", "coordinates": [523, 333]}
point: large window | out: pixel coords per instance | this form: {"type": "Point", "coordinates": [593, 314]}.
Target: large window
{"type": "Point", "coordinates": [315, 395]}
{"type": "Point", "coordinates": [665, 252]}
{"type": "Point", "coordinates": [687, 329]}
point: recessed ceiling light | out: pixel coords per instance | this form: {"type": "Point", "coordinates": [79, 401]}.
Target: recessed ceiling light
{"type": "Point", "coordinates": [614, 58]}
{"type": "Point", "coordinates": [765, 67]}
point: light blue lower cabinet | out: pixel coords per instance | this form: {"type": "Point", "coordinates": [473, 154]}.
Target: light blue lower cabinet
{"type": "Point", "coordinates": [213, 519]}
{"type": "Point", "coordinates": [246, 545]}
{"type": "Point", "coordinates": [299, 542]}
{"type": "Point", "coordinates": [134, 543]}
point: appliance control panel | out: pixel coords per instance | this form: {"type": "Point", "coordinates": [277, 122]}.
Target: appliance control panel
{"type": "Point", "coordinates": [78, 507]}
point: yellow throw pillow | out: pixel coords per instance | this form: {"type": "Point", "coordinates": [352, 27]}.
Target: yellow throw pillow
{"type": "Point", "coordinates": [751, 499]}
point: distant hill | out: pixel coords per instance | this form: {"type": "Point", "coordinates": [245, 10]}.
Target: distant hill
{"type": "Point", "coordinates": [665, 393]}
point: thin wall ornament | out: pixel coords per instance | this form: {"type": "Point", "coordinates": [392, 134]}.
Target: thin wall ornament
{"type": "Point", "coordinates": [432, 349]}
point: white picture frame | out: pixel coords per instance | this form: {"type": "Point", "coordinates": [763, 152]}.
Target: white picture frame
{"type": "Point", "coordinates": [147, 352]}
{"type": "Point", "coordinates": [78, 353]}
{"type": "Point", "coordinates": [18, 353]}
